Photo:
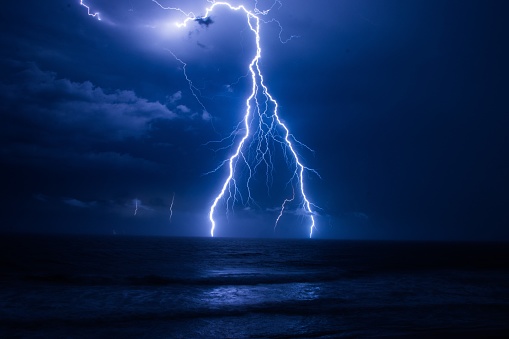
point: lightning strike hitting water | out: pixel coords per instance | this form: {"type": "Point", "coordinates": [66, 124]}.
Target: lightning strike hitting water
{"type": "Point", "coordinates": [261, 123]}
{"type": "Point", "coordinates": [268, 123]}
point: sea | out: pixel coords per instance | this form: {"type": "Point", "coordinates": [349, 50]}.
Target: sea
{"type": "Point", "coordinates": [162, 287]}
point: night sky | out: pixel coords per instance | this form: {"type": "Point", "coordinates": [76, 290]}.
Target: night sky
{"type": "Point", "coordinates": [403, 102]}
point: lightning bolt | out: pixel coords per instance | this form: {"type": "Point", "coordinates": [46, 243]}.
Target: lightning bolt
{"type": "Point", "coordinates": [269, 122]}
{"type": "Point", "coordinates": [261, 122]}
{"type": "Point", "coordinates": [95, 15]}
{"type": "Point", "coordinates": [135, 206]}
{"type": "Point", "coordinates": [171, 206]}
{"type": "Point", "coordinates": [192, 87]}
{"type": "Point", "coordinates": [283, 208]}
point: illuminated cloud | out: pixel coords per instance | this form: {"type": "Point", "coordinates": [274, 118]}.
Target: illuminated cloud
{"type": "Point", "coordinates": [175, 97]}
{"type": "Point", "coordinates": [56, 104]}
{"type": "Point", "coordinates": [183, 108]}
{"type": "Point", "coordinates": [206, 116]}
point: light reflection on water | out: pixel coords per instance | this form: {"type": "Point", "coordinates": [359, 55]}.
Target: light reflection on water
{"type": "Point", "coordinates": [252, 286]}
{"type": "Point", "coordinates": [192, 288]}
{"type": "Point", "coordinates": [259, 294]}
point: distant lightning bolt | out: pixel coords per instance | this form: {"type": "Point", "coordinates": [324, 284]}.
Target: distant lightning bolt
{"type": "Point", "coordinates": [135, 206]}
{"type": "Point", "coordinates": [269, 122]}
{"type": "Point", "coordinates": [95, 15]}
{"type": "Point", "coordinates": [283, 208]}
{"type": "Point", "coordinates": [171, 206]}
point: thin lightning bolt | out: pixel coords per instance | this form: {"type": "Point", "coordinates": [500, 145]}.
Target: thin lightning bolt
{"type": "Point", "coordinates": [269, 122]}
{"type": "Point", "coordinates": [95, 15]}
{"type": "Point", "coordinates": [191, 86]}
{"type": "Point", "coordinates": [283, 208]}
{"type": "Point", "coordinates": [135, 206]}
{"type": "Point", "coordinates": [171, 206]}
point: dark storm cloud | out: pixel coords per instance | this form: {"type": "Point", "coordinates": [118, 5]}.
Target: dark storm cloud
{"type": "Point", "coordinates": [47, 117]}
{"type": "Point", "coordinates": [204, 21]}
{"type": "Point", "coordinates": [41, 197]}
{"type": "Point", "coordinates": [56, 104]}
{"type": "Point", "coordinates": [201, 45]}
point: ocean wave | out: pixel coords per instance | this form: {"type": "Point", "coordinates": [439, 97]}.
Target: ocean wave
{"type": "Point", "coordinates": [165, 280]}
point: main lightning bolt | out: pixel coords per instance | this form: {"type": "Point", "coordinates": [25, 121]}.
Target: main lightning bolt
{"type": "Point", "coordinates": [268, 123]}
{"type": "Point", "coordinates": [264, 133]}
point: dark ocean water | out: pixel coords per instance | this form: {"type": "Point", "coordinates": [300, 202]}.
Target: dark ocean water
{"type": "Point", "coordinates": [86, 286]}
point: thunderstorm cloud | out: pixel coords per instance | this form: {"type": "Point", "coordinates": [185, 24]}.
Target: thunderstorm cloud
{"type": "Point", "coordinates": [73, 123]}
{"type": "Point", "coordinates": [204, 21]}
{"type": "Point", "coordinates": [40, 98]}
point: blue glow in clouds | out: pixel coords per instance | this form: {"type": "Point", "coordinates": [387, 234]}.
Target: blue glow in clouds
{"type": "Point", "coordinates": [260, 128]}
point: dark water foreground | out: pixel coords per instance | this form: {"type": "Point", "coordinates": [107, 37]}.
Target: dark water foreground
{"type": "Point", "coordinates": [82, 286]}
